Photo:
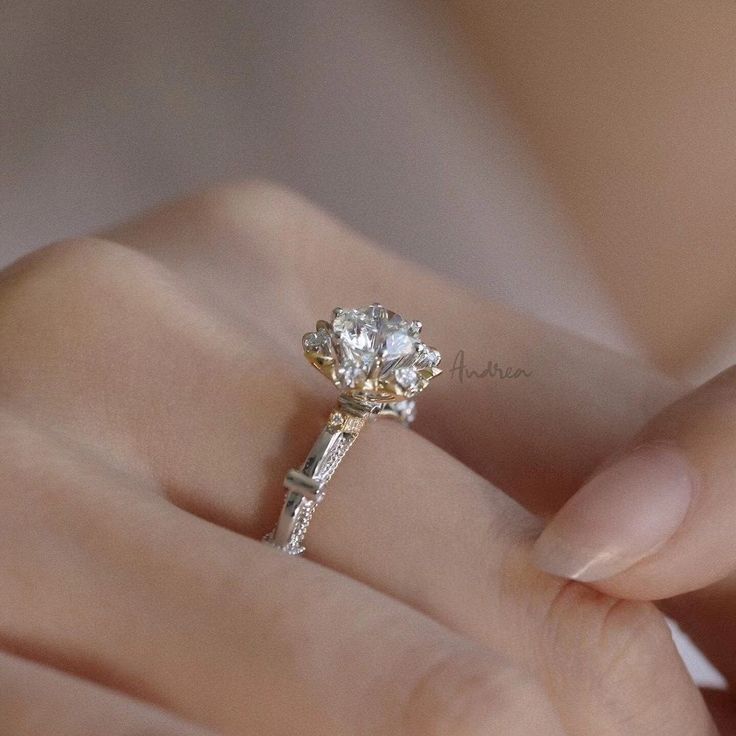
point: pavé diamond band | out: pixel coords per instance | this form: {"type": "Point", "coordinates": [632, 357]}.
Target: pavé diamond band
{"type": "Point", "coordinates": [377, 361]}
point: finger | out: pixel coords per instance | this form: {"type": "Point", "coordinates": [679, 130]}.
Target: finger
{"type": "Point", "coordinates": [131, 553]}
{"type": "Point", "coordinates": [213, 627]}
{"type": "Point", "coordinates": [538, 437]}
{"type": "Point", "coordinates": [38, 701]}
{"type": "Point", "coordinates": [224, 631]}
{"type": "Point", "coordinates": [658, 519]}
{"type": "Point", "coordinates": [262, 252]}
{"type": "Point", "coordinates": [424, 528]}
{"type": "Point", "coordinates": [107, 581]}
{"type": "Point", "coordinates": [209, 453]}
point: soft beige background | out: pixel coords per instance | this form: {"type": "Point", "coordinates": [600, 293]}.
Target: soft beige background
{"type": "Point", "coordinates": [503, 144]}
{"type": "Point", "coordinates": [367, 106]}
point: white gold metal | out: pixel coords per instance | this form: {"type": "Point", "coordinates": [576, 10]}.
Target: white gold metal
{"type": "Point", "coordinates": [383, 343]}
{"type": "Point", "coordinates": [305, 488]}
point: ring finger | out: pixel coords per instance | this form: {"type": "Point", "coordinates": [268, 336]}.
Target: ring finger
{"type": "Point", "coordinates": [218, 460]}
{"type": "Point", "coordinates": [142, 597]}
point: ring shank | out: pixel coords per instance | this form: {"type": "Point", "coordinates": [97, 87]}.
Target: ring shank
{"type": "Point", "coordinates": [305, 487]}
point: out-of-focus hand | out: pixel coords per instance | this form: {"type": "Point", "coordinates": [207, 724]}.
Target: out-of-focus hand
{"type": "Point", "coordinates": [153, 394]}
{"type": "Point", "coordinates": [656, 521]}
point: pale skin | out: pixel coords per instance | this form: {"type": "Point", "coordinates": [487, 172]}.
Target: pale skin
{"type": "Point", "coordinates": [154, 393]}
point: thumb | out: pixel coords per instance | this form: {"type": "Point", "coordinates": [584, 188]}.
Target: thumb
{"type": "Point", "coordinates": [659, 518]}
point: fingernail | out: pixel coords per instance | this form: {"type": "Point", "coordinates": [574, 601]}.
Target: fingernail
{"type": "Point", "coordinates": [620, 516]}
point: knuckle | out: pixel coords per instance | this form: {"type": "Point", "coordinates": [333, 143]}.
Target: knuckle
{"type": "Point", "coordinates": [251, 207]}
{"type": "Point", "coordinates": [606, 638]}
{"type": "Point", "coordinates": [270, 223]}
{"type": "Point", "coordinates": [258, 225]}
{"type": "Point", "coordinates": [75, 269]}
{"type": "Point", "coordinates": [72, 251]}
{"type": "Point", "coordinates": [469, 694]}
{"type": "Point", "coordinates": [77, 277]}
{"type": "Point", "coordinates": [76, 306]}
{"type": "Point", "coordinates": [633, 634]}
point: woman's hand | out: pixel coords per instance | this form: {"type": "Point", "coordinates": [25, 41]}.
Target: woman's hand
{"type": "Point", "coordinates": [154, 394]}
{"type": "Point", "coordinates": [657, 521]}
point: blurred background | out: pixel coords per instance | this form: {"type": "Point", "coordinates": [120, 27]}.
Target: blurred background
{"type": "Point", "coordinates": [375, 109]}
{"type": "Point", "coordinates": [574, 160]}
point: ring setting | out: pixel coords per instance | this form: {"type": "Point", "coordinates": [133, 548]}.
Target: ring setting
{"type": "Point", "coordinates": [379, 363]}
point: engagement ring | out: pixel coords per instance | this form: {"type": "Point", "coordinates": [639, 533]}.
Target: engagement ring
{"type": "Point", "coordinates": [378, 362]}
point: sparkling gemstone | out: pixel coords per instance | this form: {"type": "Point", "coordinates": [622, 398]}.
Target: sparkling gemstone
{"type": "Point", "coordinates": [318, 341]}
{"type": "Point", "coordinates": [430, 358]}
{"type": "Point", "coordinates": [406, 377]}
{"type": "Point", "coordinates": [406, 409]}
{"type": "Point", "coordinates": [357, 333]}
{"type": "Point", "coordinates": [350, 375]}
{"type": "Point", "coordinates": [398, 343]}
{"type": "Point", "coordinates": [373, 354]}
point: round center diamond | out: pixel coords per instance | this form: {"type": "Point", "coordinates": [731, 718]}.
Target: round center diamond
{"type": "Point", "coordinates": [372, 353]}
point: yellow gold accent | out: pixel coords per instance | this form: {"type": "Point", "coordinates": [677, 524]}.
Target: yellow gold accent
{"type": "Point", "coordinates": [344, 421]}
{"type": "Point", "coordinates": [353, 423]}
{"type": "Point", "coordinates": [334, 423]}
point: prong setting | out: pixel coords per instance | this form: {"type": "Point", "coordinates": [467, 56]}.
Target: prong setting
{"type": "Point", "coordinates": [372, 354]}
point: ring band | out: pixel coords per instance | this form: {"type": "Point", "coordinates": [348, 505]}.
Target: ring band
{"type": "Point", "coordinates": [305, 487]}
{"type": "Point", "coordinates": [378, 361]}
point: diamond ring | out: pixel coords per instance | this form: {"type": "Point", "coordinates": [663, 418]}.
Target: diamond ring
{"type": "Point", "coordinates": [378, 362]}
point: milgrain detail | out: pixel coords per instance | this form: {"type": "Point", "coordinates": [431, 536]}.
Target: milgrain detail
{"type": "Point", "coordinates": [327, 453]}
{"type": "Point", "coordinates": [377, 360]}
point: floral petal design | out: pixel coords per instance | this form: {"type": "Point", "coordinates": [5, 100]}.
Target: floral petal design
{"type": "Point", "coordinates": [372, 354]}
